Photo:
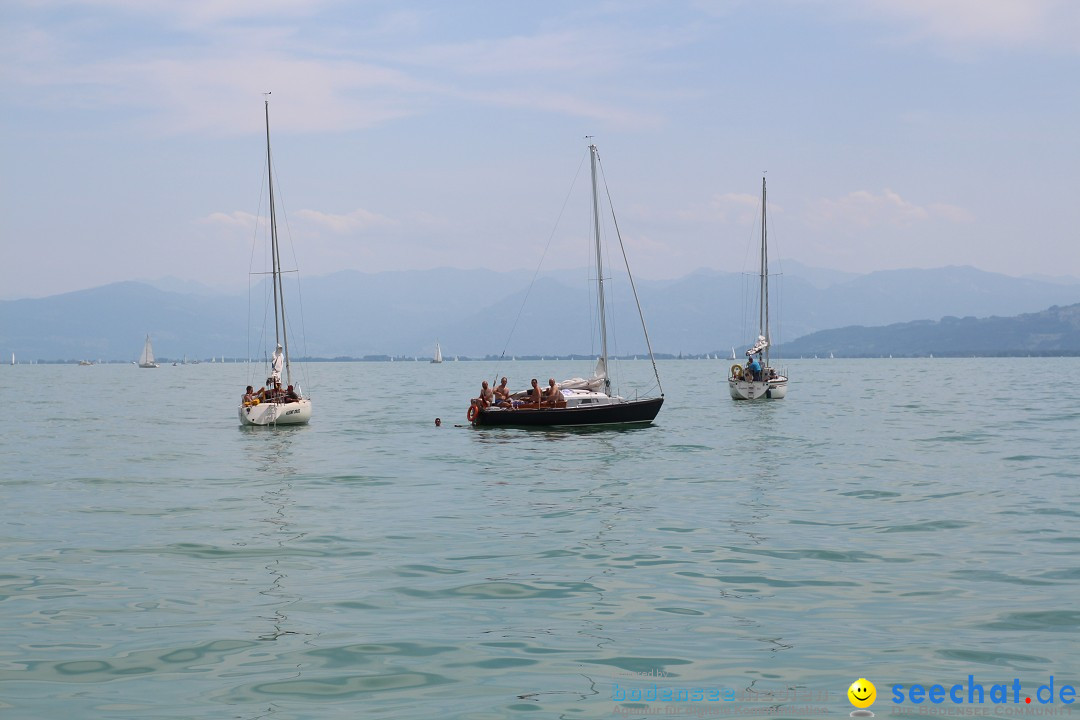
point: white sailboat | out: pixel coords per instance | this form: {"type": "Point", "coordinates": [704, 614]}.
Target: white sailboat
{"type": "Point", "coordinates": [438, 353]}
{"type": "Point", "coordinates": [276, 406]}
{"type": "Point", "coordinates": [758, 379]}
{"type": "Point", "coordinates": [146, 360]}
{"type": "Point", "coordinates": [585, 401]}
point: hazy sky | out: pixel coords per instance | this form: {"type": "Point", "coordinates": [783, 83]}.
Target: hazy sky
{"type": "Point", "coordinates": [894, 133]}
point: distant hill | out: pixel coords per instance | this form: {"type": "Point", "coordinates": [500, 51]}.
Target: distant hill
{"type": "Point", "coordinates": [478, 312]}
{"type": "Point", "coordinates": [1051, 332]}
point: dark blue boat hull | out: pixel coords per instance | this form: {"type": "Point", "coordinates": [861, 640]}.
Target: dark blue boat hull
{"type": "Point", "coordinates": [633, 411]}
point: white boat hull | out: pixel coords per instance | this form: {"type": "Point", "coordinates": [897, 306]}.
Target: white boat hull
{"type": "Point", "coordinates": [758, 389]}
{"type": "Point", "coordinates": [271, 413]}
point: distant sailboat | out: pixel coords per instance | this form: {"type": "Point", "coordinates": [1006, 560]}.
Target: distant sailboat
{"type": "Point", "coordinates": [733, 353]}
{"type": "Point", "coordinates": [438, 353]}
{"type": "Point", "coordinates": [146, 360]}
{"type": "Point", "coordinates": [759, 379]}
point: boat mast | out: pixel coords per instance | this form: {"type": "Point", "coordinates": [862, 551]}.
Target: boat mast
{"type": "Point", "coordinates": [280, 337]}
{"type": "Point", "coordinates": [599, 272]}
{"type": "Point", "coordinates": [763, 319]}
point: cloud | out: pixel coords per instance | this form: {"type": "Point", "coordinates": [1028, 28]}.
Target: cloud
{"type": "Point", "coordinates": [193, 13]}
{"type": "Point", "coordinates": [961, 24]}
{"type": "Point", "coordinates": [359, 219]}
{"type": "Point", "coordinates": [234, 220]}
{"type": "Point", "coordinates": [736, 208]}
{"type": "Point", "coordinates": [567, 52]}
{"type": "Point", "coordinates": [194, 67]}
{"type": "Point", "coordinates": [864, 209]}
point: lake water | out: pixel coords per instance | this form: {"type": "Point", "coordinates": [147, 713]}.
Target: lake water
{"type": "Point", "coordinates": [906, 521]}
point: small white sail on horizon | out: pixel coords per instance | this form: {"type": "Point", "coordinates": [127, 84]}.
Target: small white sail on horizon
{"type": "Point", "coordinates": [438, 353]}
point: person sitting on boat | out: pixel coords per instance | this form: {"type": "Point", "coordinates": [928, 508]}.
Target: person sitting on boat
{"type": "Point", "coordinates": [754, 368]}
{"type": "Point", "coordinates": [533, 397]}
{"type": "Point", "coordinates": [502, 393]}
{"type": "Point", "coordinates": [486, 396]}
{"type": "Point", "coordinates": [553, 396]}
{"type": "Point", "coordinates": [291, 396]}
{"type": "Point", "coordinates": [249, 397]}
{"type": "Point", "coordinates": [275, 394]}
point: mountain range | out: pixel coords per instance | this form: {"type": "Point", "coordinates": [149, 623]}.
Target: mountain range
{"type": "Point", "coordinates": [477, 313]}
{"type": "Point", "coordinates": [1055, 331]}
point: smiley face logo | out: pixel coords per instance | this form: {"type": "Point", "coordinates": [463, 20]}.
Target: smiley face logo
{"type": "Point", "coordinates": [862, 693]}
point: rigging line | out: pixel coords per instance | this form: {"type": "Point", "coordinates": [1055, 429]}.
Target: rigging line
{"type": "Point", "coordinates": [279, 286]}
{"type": "Point", "coordinates": [541, 263]}
{"type": "Point", "coordinates": [611, 291]}
{"type": "Point", "coordinates": [633, 287]}
{"type": "Point", "coordinates": [778, 293]}
{"type": "Point", "coordinates": [299, 294]}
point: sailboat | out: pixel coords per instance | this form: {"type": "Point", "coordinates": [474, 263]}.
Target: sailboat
{"type": "Point", "coordinates": [585, 401]}
{"type": "Point", "coordinates": [275, 407]}
{"type": "Point", "coordinates": [744, 383]}
{"type": "Point", "coordinates": [146, 360]}
{"type": "Point", "coordinates": [438, 353]}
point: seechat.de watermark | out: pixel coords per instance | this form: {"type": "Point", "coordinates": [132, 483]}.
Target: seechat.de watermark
{"type": "Point", "coordinates": [971, 698]}
{"type": "Point", "coordinates": [974, 693]}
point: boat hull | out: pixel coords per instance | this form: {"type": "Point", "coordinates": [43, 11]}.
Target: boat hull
{"type": "Point", "coordinates": [271, 413]}
{"type": "Point", "coordinates": [622, 413]}
{"type": "Point", "coordinates": [757, 389]}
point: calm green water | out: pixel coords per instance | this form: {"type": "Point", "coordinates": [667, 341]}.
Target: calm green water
{"type": "Point", "coordinates": [907, 521]}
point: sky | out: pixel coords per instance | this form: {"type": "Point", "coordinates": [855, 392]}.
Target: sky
{"type": "Point", "coordinates": [415, 135]}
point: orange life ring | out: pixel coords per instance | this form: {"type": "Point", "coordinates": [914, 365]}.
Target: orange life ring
{"type": "Point", "coordinates": [473, 412]}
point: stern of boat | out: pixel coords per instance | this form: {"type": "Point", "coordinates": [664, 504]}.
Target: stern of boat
{"type": "Point", "coordinates": [270, 413]}
{"type": "Point", "coordinates": [755, 390]}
